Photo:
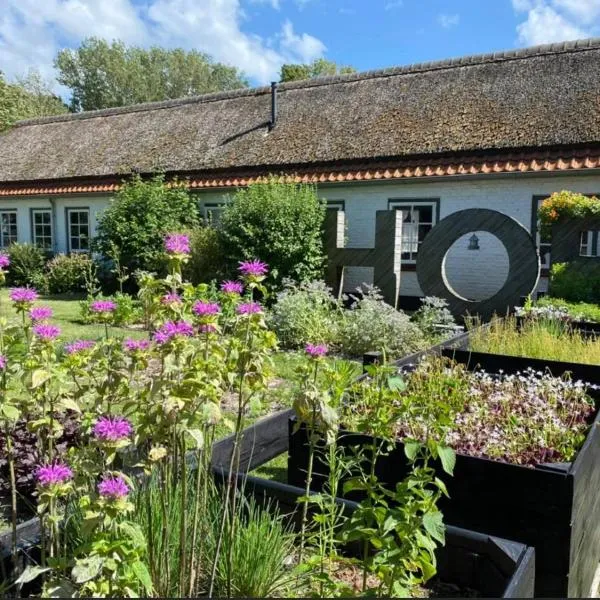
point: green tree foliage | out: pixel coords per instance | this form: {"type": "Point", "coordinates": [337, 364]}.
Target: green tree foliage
{"type": "Point", "coordinates": [103, 75]}
{"type": "Point", "coordinates": [318, 68]}
{"type": "Point", "coordinates": [28, 97]}
{"type": "Point", "coordinates": [133, 225]}
{"type": "Point", "coordinates": [280, 223]}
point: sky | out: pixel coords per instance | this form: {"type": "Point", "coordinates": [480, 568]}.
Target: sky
{"type": "Point", "coordinates": [259, 35]}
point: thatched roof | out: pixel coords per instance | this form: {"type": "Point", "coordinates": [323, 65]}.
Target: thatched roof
{"type": "Point", "coordinates": [542, 97]}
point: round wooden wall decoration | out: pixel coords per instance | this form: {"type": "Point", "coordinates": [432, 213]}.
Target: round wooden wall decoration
{"type": "Point", "coordinates": [524, 263]}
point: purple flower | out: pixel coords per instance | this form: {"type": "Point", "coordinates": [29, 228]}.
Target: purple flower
{"type": "Point", "coordinates": [103, 306]}
{"type": "Point", "coordinates": [205, 309]}
{"type": "Point", "coordinates": [53, 474]}
{"type": "Point", "coordinates": [253, 268]}
{"type": "Point", "coordinates": [2, 362]}
{"type": "Point", "coordinates": [79, 346]}
{"type": "Point", "coordinates": [113, 488]}
{"type": "Point", "coordinates": [316, 350]}
{"type": "Point", "coordinates": [132, 345]}
{"type": "Point", "coordinates": [172, 329]}
{"type": "Point", "coordinates": [23, 295]}
{"type": "Point", "coordinates": [40, 313]}
{"type": "Point", "coordinates": [112, 429]}
{"type": "Point", "coordinates": [232, 287]}
{"type": "Point", "coordinates": [46, 332]}
{"type": "Point", "coordinates": [177, 243]}
{"type": "Point", "coordinates": [249, 308]}
{"type": "Point", "coordinates": [171, 298]}
{"type": "Point", "coordinates": [4, 261]}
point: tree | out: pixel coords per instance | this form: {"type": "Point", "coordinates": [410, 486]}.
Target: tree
{"type": "Point", "coordinates": [134, 224]}
{"type": "Point", "coordinates": [318, 68]}
{"type": "Point", "coordinates": [103, 75]}
{"type": "Point", "coordinates": [28, 97]}
{"type": "Point", "coordinates": [280, 223]}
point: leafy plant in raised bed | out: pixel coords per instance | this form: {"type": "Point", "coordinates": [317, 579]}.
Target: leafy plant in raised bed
{"type": "Point", "coordinates": [537, 338]}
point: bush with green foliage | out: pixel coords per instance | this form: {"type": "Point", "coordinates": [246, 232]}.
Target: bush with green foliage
{"type": "Point", "coordinates": [207, 261]}
{"type": "Point", "coordinates": [26, 266]}
{"type": "Point", "coordinates": [578, 311]}
{"type": "Point", "coordinates": [306, 313]}
{"type": "Point", "coordinates": [279, 222]}
{"type": "Point", "coordinates": [373, 325]}
{"type": "Point", "coordinates": [128, 311]}
{"type": "Point", "coordinates": [69, 273]}
{"type": "Point", "coordinates": [565, 204]}
{"type": "Point", "coordinates": [434, 317]}
{"type": "Point", "coordinates": [137, 219]}
{"type": "Point", "coordinates": [577, 281]}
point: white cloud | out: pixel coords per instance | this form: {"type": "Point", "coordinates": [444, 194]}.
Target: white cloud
{"type": "Point", "coordinates": [31, 32]}
{"type": "Point", "coordinates": [393, 4]}
{"type": "Point", "coordinates": [275, 4]}
{"type": "Point", "coordinates": [549, 21]}
{"type": "Point", "coordinates": [448, 21]}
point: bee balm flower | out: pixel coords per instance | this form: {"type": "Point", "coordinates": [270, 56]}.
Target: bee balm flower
{"type": "Point", "coordinates": [46, 333]}
{"type": "Point", "coordinates": [40, 313]}
{"type": "Point", "coordinates": [54, 474]}
{"type": "Point", "coordinates": [112, 429]}
{"type": "Point", "coordinates": [113, 488]}
{"type": "Point", "coordinates": [316, 350]}
{"type": "Point", "coordinates": [177, 244]}
{"type": "Point", "coordinates": [253, 268]}
{"type": "Point", "coordinates": [23, 296]}
{"type": "Point", "coordinates": [232, 287]}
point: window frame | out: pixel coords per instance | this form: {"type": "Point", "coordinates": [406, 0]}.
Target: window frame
{"type": "Point", "coordinates": [339, 205]}
{"type": "Point", "coordinates": [32, 214]}
{"type": "Point", "coordinates": [10, 211]}
{"type": "Point", "coordinates": [208, 209]}
{"type": "Point", "coordinates": [80, 209]}
{"type": "Point", "coordinates": [400, 203]}
{"type": "Point", "coordinates": [592, 243]}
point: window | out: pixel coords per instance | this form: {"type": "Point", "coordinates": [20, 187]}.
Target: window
{"type": "Point", "coordinates": [589, 244]}
{"type": "Point", "coordinates": [41, 228]}
{"type": "Point", "coordinates": [336, 205]}
{"type": "Point", "coordinates": [8, 227]}
{"type": "Point", "coordinates": [78, 229]}
{"type": "Point", "coordinates": [542, 239]}
{"type": "Point", "coordinates": [418, 218]}
{"type": "Point", "coordinates": [213, 212]}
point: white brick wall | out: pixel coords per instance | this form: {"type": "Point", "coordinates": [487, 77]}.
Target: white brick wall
{"type": "Point", "coordinates": [476, 274]}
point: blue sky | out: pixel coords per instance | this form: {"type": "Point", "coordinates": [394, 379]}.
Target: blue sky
{"type": "Point", "coordinates": [259, 35]}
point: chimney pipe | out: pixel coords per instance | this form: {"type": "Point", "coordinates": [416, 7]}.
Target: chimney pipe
{"type": "Point", "coordinates": [273, 120]}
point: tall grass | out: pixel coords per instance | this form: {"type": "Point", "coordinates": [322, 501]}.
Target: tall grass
{"type": "Point", "coordinates": [259, 548]}
{"type": "Point", "coordinates": [536, 338]}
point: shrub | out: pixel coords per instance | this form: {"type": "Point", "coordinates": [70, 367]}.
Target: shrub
{"type": "Point", "coordinates": [433, 317]}
{"type": "Point", "coordinates": [305, 312]}
{"type": "Point", "coordinates": [128, 310]}
{"type": "Point", "coordinates": [69, 273]}
{"type": "Point", "coordinates": [281, 223]}
{"type": "Point", "coordinates": [371, 324]}
{"type": "Point", "coordinates": [135, 222]}
{"type": "Point", "coordinates": [577, 281]}
{"type": "Point", "coordinates": [577, 311]}
{"type": "Point", "coordinates": [207, 261]}
{"type": "Point", "coordinates": [567, 204]}
{"type": "Point", "coordinates": [26, 265]}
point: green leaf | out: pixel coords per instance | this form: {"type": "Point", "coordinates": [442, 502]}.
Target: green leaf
{"type": "Point", "coordinates": [31, 573]}
{"type": "Point", "coordinates": [396, 384]}
{"type": "Point", "coordinates": [133, 532]}
{"type": "Point", "coordinates": [434, 525]}
{"type": "Point", "coordinates": [141, 572]}
{"type": "Point", "coordinates": [411, 449]}
{"type": "Point", "coordinates": [197, 436]}
{"type": "Point", "coordinates": [70, 404]}
{"type": "Point", "coordinates": [448, 458]}
{"type": "Point", "coordinates": [39, 377]}
{"type": "Point", "coordinates": [87, 568]}
{"type": "Point", "coordinates": [10, 412]}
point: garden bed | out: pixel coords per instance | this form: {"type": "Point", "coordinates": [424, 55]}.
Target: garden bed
{"type": "Point", "coordinates": [553, 507]}
{"type": "Point", "coordinates": [491, 566]}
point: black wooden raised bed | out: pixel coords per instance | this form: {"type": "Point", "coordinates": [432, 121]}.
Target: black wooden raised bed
{"type": "Point", "coordinates": [495, 567]}
{"type": "Point", "coordinates": [553, 507]}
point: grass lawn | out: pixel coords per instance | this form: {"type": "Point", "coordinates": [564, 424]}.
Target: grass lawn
{"type": "Point", "coordinates": [66, 316]}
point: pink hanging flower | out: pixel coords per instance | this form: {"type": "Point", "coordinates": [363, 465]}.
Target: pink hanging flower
{"type": "Point", "coordinates": [249, 308]}
{"type": "Point", "coordinates": [205, 309]}
{"type": "Point", "coordinates": [47, 333]}
{"type": "Point", "coordinates": [103, 306]}
{"type": "Point", "coordinates": [253, 268]}
{"type": "Point", "coordinates": [53, 474]}
{"type": "Point", "coordinates": [232, 287]}
{"type": "Point", "coordinates": [112, 429]}
{"type": "Point", "coordinates": [79, 346]}
{"type": "Point", "coordinates": [2, 362]}
{"type": "Point", "coordinates": [171, 298]}
{"type": "Point", "coordinates": [177, 243]}
{"type": "Point", "coordinates": [173, 329]}
{"type": "Point", "coordinates": [23, 295]}
{"type": "Point", "coordinates": [316, 350]}
{"type": "Point", "coordinates": [4, 261]}
{"type": "Point", "coordinates": [132, 345]}
{"type": "Point", "coordinates": [113, 488]}
{"type": "Point", "coordinates": [40, 313]}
